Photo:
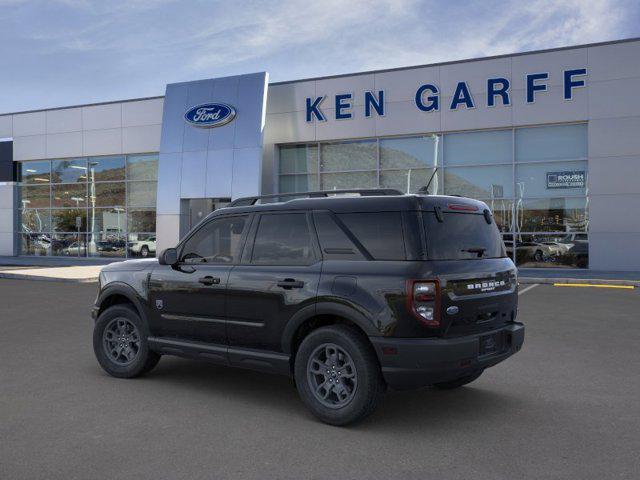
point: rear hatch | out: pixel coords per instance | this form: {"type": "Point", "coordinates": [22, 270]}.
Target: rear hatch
{"type": "Point", "coordinates": [466, 255]}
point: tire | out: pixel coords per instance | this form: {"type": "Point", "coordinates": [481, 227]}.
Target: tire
{"type": "Point", "coordinates": [361, 383]}
{"type": "Point", "coordinates": [144, 251]}
{"type": "Point", "coordinates": [135, 358]}
{"type": "Point", "coordinates": [538, 256]}
{"type": "Point", "coordinates": [459, 382]}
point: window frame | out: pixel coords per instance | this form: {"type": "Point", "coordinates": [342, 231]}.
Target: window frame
{"type": "Point", "coordinates": [247, 254]}
{"type": "Point", "coordinates": [205, 224]}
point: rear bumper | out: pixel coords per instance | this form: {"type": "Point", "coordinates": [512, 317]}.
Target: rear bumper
{"type": "Point", "coordinates": [418, 362]}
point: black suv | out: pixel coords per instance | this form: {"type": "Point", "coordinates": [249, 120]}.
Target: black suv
{"type": "Point", "coordinates": [346, 294]}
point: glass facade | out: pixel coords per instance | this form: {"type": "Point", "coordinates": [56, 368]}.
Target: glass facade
{"type": "Point", "coordinates": [88, 207]}
{"type": "Point", "coordinates": [534, 179]}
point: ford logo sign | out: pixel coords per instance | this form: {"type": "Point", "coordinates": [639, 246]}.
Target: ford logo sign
{"type": "Point", "coordinates": [210, 115]}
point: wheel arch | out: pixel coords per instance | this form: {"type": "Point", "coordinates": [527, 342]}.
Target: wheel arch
{"type": "Point", "coordinates": [320, 315]}
{"type": "Point", "coordinates": [117, 294]}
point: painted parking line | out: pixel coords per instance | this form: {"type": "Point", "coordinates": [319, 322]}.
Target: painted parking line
{"type": "Point", "coordinates": [594, 285]}
{"type": "Point", "coordinates": [526, 289]}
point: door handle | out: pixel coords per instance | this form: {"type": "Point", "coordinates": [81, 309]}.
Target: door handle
{"type": "Point", "coordinates": [289, 283]}
{"type": "Point", "coordinates": [209, 280]}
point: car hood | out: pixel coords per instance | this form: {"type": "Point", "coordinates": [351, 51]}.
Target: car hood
{"type": "Point", "coordinates": [131, 265]}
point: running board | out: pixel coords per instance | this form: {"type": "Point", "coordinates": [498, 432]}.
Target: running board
{"type": "Point", "coordinates": [266, 361]}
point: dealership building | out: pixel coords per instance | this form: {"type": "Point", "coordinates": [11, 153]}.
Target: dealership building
{"type": "Point", "coordinates": [550, 140]}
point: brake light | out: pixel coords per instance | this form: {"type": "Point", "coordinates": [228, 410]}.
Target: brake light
{"type": "Point", "coordinates": [423, 301]}
{"type": "Point", "coordinates": [462, 207]}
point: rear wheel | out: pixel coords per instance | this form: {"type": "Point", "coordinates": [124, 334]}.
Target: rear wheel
{"type": "Point", "coordinates": [144, 251]}
{"type": "Point", "coordinates": [120, 343]}
{"type": "Point", "coordinates": [337, 375]}
{"type": "Point", "coordinates": [459, 382]}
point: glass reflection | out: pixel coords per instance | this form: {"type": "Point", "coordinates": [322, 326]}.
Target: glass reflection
{"type": "Point", "coordinates": [340, 181]}
{"type": "Point", "coordinates": [108, 195]}
{"type": "Point", "coordinates": [557, 142]}
{"type": "Point", "coordinates": [65, 220]}
{"type": "Point", "coordinates": [479, 182]}
{"type": "Point", "coordinates": [68, 245]}
{"type": "Point", "coordinates": [411, 152]}
{"type": "Point", "coordinates": [550, 251]}
{"type": "Point", "coordinates": [69, 171]}
{"type": "Point", "coordinates": [502, 210]}
{"type": "Point", "coordinates": [551, 179]}
{"type": "Point", "coordinates": [345, 156]}
{"type": "Point", "coordinates": [142, 167]}
{"type": "Point", "coordinates": [552, 215]}
{"type": "Point", "coordinates": [410, 181]}
{"type": "Point", "coordinates": [142, 194]}
{"type": "Point", "coordinates": [106, 169]}
{"type": "Point", "coordinates": [298, 183]}
{"type": "Point", "coordinates": [69, 195]}
{"type": "Point", "coordinates": [298, 159]}
{"type": "Point", "coordinates": [35, 220]}
{"type": "Point", "coordinates": [141, 245]}
{"type": "Point", "coordinates": [475, 148]}
{"type": "Point", "coordinates": [35, 196]}
{"type": "Point", "coordinates": [34, 172]}
{"type": "Point", "coordinates": [37, 244]}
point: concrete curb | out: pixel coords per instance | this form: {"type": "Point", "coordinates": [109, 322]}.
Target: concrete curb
{"type": "Point", "coordinates": [19, 276]}
{"type": "Point", "coordinates": [588, 281]}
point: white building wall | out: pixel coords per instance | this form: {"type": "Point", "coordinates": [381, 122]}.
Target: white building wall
{"type": "Point", "coordinates": [610, 104]}
{"type": "Point", "coordinates": [106, 129]}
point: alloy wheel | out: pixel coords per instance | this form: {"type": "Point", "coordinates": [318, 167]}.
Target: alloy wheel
{"type": "Point", "coordinates": [332, 375]}
{"type": "Point", "coordinates": [121, 341]}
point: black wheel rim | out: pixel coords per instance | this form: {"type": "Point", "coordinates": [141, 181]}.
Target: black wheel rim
{"type": "Point", "coordinates": [332, 376]}
{"type": "Point", "coordinates": [121, 341]}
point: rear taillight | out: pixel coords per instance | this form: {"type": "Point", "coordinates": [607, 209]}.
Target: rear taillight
{"type": "Point", "coordinates": [423, 300]}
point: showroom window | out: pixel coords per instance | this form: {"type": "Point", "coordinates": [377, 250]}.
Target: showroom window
{"type": "Point", "coordinates": [88, 207]}
{"type": "Point", "coordinates": [534, 179]}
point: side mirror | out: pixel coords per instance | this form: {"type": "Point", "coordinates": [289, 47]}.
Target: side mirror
{"type": "Point", "coordinates": [168, 257]}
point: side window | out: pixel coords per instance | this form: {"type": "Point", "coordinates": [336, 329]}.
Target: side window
{"type": "Point", "coordinates": [379, 232]}
{"type": "Point", "coordinates": [283, 239]}
{"type": "Point", "coordinates": [334, 242]}
{"type": "Point", "coordinates": [216, 242]}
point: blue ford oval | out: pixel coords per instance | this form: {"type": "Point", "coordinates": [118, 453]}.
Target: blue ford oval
{"type": "Point", "coordinates": [210, 115]}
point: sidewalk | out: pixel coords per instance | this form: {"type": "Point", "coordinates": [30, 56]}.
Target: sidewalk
{"type": "Point", "coordinates": [75, 274]}
{"type": "Point", "coordinates": [589, 277]}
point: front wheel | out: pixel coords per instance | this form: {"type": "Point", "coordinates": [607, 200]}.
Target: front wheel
{"type": "Point", "coordinates": [458, 382]}
{"type": "Point", "coordinates": [120, 343]}
{"type": "Point", "coordinates": [338, 376]}
{"type": "Point", "coordinates": [144, 251]}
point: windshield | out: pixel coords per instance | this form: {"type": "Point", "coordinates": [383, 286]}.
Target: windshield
{"type": "Point", "coordinates": [462, 236]}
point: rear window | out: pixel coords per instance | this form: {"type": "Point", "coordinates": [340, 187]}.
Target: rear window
{"type": "Point", "coordinates": [462, 236]}
{"type": "Point", "coordinates": [380, 233]}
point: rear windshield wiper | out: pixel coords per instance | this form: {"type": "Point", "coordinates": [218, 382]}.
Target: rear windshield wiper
{"type": "Point", "coordinates": [479, 250]}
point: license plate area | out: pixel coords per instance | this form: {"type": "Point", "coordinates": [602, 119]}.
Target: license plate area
{"type": "Point", "coordinates": [492, 344]}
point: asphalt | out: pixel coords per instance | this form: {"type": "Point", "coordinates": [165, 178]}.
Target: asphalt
{"type": "Point", "coordinates": [565, 407]}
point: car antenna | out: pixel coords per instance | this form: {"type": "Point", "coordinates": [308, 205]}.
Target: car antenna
{"type": "Point", "coordinates": [425, 190]}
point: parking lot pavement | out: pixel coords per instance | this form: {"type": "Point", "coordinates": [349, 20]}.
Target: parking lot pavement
{"type": "Point", "coordinates": [565, 407]}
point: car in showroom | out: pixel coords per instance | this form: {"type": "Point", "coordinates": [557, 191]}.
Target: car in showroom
{"type": "Point", "coordinates": [143, 247]}
{"type": "Point", "coordinates": [349, 293]}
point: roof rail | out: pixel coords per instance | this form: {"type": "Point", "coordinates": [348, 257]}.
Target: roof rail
{"type": "Point", "coordinates": [247, 201]}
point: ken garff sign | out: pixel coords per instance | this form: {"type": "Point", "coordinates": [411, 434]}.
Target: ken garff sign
{"type": "Point", "coordinates": [567, 179]}
{"type": "Point", "coordinates": [210, 115]}
{"type": "Point", "coordinates": [427, 96]}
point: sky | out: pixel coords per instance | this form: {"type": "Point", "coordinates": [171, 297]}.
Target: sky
{"type": "Point", "coordinates": [68, 52]}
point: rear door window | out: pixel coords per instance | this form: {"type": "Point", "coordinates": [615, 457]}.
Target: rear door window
{"type": "Point", "coordinates": [380, 233]}
{"type": "Point", "coordinates": [283, 239]}
{"type": "Point", "coordinates": [462, 236]}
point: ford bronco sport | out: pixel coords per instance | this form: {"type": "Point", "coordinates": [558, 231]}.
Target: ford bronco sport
{"type": "Point", "coordinates": [348, 295]}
